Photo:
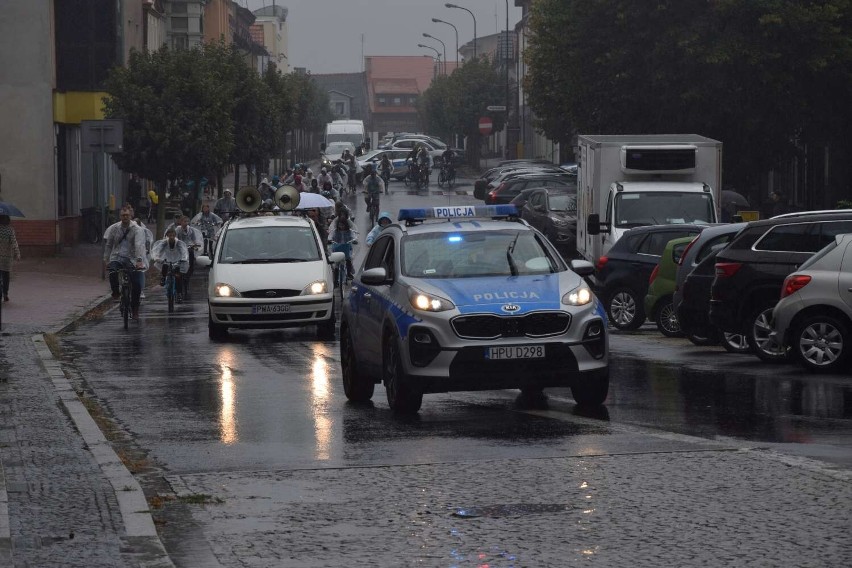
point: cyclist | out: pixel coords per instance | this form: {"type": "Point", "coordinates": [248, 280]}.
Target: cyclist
{"type": "Point", "coordinates": [172, 250]}
{"type": "Point", "coordinates": [448, 159]}
{"type": "Point", "coordinates": [339, 175]}
{"type": "Point", "coordinates": [194, 241]}
{"type": "Point", "coordinates": [343, 235]}
{"type": "Point", "coordinates": [373, 188]}
{"type": "Point", "coordinates": [124, 247]}
{"type": "Point", "coordinates": [386, 167]}
{"type": "Point", "coordinates": [324, 177]}
{"type": "Point", "coordinates": [226, 206]}
{"type": "Point", "coordinates": [207, 223]}
{"type": "Point", "coordinates": [383, 221]}
{"type": "Point", "coordinates": [425, 162]}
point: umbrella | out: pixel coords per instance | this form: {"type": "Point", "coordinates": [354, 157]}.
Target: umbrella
{"type": "Point", "coordinates": [10, 210]}
{"type": "Point", "coordinates": [732, 199]}
{"type": "Point", "coordinates": [309, 200]}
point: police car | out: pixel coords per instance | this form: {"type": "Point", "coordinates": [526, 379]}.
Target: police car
{"type": "Point", "coordinates": [470, 298]}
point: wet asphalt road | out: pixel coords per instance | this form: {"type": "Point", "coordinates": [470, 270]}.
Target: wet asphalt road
{"type": "Point", "coordinates": [273, 400]}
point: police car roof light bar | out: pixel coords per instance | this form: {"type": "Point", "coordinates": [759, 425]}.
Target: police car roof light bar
{"type": "Point", "coordinates": [411, 216]}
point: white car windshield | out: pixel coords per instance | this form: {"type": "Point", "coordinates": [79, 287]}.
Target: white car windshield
{"type": "Point", "coordinates": [476, 254]}
{"type": "Point", "coordinates": [257, 245]}
{"type": "Point", "coordinates": [339, 148]}
{"type": "Point", "coordinates": [662, 208]}
{"type": "Point", "coordinates": [562, 202]}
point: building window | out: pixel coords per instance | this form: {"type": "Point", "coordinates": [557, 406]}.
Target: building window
{"type": "Point", "coordinates": [339, 109]}
{"type": "Point", "coordinates": [86, 43]}
{"type": "Point", "coordinates": [412, 101]}
{"type": "Point", "coordinates": [397, 101]}
{"type": "Point", "coordinates": [383, 101]}
{"type": "Point", "coordinates": [180, 42]}
{"type": "Point", "coordinates": [180, 24]}
{"type": "Point", "coordinates": [178, 8]}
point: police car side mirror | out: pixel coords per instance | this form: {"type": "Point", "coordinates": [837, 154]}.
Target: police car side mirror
{"type": "Point", "coordinates": [203, 261]}
{"type": "Point", "coordinates": [582, 267]}
{"type": "Point", "coordinates": [336, 257]}
{"type": "Point", "coordinates": [374, 276]}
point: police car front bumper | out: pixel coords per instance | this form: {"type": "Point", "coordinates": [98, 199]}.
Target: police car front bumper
{"type": "Point", "coordinates": [437, 361]}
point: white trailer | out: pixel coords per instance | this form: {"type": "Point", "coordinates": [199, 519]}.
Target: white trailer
{"type": "Point", "coordinates": [626, 181]}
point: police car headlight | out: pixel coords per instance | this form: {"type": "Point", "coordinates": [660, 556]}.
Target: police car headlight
{"type": "Point", "coordinates": [314, 288]}
{"type": "Point", "coordinates": [226, 291]}
{"type": "Point", "coordinates": [428, 303]}
{"type": "Point", "coordinates": [579, 296]}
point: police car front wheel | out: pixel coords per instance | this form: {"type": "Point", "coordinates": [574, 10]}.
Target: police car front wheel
{"type": "Point", "coordinates": [402, 398]}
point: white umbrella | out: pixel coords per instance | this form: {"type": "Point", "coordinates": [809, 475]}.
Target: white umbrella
{"type": "Point", "coordinates": [309, 200]}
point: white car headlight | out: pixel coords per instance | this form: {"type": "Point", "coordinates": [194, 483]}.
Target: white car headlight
{"type": "Point", "coordinates": [579, 296]}
{"type": "Point", "coordinates": [314, 288]}
{"type": "Point", "coordinates": [225, 291]}
{"type": "Point", "coordinates": [428, 302]}
{"type": "Point", "coordinates": [560, 222]}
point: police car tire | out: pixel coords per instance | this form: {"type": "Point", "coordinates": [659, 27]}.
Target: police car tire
{"type": "Point", "coordinates": [401, 397]}
{"type": "Point", "coordinates": [356, 387]}
{"type": "Point", "coordinates": [590, 392]}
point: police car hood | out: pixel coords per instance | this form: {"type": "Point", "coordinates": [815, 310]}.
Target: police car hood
{"type": "Point", "coordinates": [493, 293]}
{"type": "Point", "coordinates": [288, 276]}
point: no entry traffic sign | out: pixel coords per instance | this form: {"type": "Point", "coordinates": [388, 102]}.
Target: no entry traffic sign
{"type": "Point", "coordinates": [486, 125]}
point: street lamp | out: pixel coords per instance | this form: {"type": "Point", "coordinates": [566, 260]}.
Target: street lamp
{"type": "Point", "coordinates": [448, 5]}
{"type": "Point", "coordinates": [506, 63]}
{"type": "Point", "coordinates": [436, 20]}
{"type": "Point", "coordinates": [437, 53]}
{"type": "Point", "coordinates": [445, 49]}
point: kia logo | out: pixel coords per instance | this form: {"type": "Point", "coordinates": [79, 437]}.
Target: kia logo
{"type": "Point", "coordinates": [511, 308]}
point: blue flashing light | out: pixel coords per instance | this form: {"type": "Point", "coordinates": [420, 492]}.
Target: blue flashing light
{"type": "Point", "coordinates": [458, 212]}
{"type": "Point", "coordinates": [454, 239]}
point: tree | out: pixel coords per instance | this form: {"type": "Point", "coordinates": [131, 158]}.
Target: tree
{"type": "Point", "coordinates": [456, 103]}
{"type": "Point", "coordinates": [177, 115]}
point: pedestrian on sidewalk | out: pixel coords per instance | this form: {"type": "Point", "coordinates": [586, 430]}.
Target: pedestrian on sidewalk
{"type": "Point", "coordinates": [8, 250]}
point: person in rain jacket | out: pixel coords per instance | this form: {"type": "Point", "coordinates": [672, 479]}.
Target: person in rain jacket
{"type": "Point", "coordinates": [383, 221]}
{"type": "Point", "coordinates": [171, 250]}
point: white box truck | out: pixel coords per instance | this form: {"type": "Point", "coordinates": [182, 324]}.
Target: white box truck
{"type": "Point", "coordinates": [626, 181]}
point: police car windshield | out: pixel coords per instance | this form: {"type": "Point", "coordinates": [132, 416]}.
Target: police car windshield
{"type": "Point", "coordinates": [475, 254]}
{"type": "Point", "coordinates": [258, 245]}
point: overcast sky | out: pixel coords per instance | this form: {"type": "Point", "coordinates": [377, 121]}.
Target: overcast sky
{"type": "Point", "coordinates": [325, 35]}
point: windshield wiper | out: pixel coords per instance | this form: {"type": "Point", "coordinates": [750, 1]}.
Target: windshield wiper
{"type": "Point", "coordinates": [509, 251]}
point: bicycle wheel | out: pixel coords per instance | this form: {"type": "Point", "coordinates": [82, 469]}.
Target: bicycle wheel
{"type": "Point", "coordinates": [170, 291]}
{"type": "Point", "coordinates": [92, 231]}
{"type": "Point", "coordinates": [441, 179]}
{"type": "Point", "coordinates": [451, 179]}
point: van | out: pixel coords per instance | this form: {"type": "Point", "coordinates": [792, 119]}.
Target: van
{"type": "Point", "coordinates": [345, 131]}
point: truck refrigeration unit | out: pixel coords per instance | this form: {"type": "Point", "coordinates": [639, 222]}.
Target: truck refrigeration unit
{"type": "Point", "coordinates": [627, 181]}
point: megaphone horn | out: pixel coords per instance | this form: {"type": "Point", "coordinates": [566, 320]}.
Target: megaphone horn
{"type": "Point", "coordinates": [249, 199]}
{"type": "Point", "coordinates": [287, 197]}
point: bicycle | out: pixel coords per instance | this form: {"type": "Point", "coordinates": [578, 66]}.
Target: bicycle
{"type": "Point", "coordinates": [125, 289]}
{"type": "Point", "coordinates": [92, 231]}
{"type": "Point", "coordinates": [170, 284]}
{"type": "Point", "coordinates": [447, 175]}
{"type": "Point", "coordinates": [340, 271]}
{"type": "Point", "coordinates": [372, 208]}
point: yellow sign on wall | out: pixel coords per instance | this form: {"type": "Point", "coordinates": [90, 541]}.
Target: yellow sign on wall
{"type": "Point", "coordinates": [749, 215]}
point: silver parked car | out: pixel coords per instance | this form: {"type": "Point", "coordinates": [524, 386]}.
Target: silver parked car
{"type": "Point", "coordinates": [814, 316]}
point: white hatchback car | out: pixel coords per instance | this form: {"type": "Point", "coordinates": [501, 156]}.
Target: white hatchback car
{"type": "Point", "coordinates": [270, 272]}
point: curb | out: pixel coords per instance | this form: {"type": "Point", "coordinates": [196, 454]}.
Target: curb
{"type": "Point", "coordinates": [140, 533]}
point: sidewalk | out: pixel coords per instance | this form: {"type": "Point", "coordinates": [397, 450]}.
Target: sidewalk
{"type": "Point", "coordinates": [65, 497]}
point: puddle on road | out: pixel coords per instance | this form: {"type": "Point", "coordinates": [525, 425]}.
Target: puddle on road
{"type": "Point", "coordinates": [515, 510]}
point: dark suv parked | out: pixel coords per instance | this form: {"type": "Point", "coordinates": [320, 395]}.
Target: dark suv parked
{"type": "Point", "coordinates": [621, 278]}
{"type": "Point", "coordinates": [751, 270]}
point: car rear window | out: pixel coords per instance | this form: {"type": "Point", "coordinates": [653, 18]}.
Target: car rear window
{"type": "Point", "coordinates": [656, 242]}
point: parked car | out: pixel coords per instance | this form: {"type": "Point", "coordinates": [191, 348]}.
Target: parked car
{"type": "Point", "coordinates": [510, 188]}
{"type": "Point", "coordinates": [621, 277]}
{"type": "Point", "coordinates": [750, 272]}
{"type": "Point", "coordinates": [521, 199]}
{"type": "Point", "coordinates": [694, 305]}
{"type": "Point", "coordinates": [661, 284]}
{"type": "Point", "coordinates": [253, 282]}
{"type": "Point", "coordinates": [397, 157]}
{"type": "Point", "coordinates": [814, 316]}
{"type": "Point", "coordinates": [553, 211]}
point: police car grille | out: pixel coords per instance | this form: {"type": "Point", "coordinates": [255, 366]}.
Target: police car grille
{"type": "Point", "coordinates": [271, 293]}
{"type": "Point", "coordinates": [494, 327]}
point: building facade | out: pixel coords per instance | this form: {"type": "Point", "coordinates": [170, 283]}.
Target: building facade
{"type": "Point", "coordinates": [273, 23]}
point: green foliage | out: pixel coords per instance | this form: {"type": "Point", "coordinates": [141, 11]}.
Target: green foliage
{"type": "Point", "coordinates": [759, 75]}
{"type": "Point", "coordinates": [456, 102]}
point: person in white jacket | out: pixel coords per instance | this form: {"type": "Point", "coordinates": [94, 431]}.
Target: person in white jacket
{"type": "Point", "coordinates": [194, 241]}
{"type": "Point", "coordinates": [171, 250]}
{"type": "Point", "coordinates": [124, 248]}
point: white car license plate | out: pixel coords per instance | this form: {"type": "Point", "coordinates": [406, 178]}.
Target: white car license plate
{"type": "Point", "coordinates": [270, 309]}
{"type": "Point", "coordinates": [515, 352]}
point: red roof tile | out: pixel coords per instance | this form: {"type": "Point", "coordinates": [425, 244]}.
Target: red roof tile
{"type": "Point", "coordinates": [395, 87]}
